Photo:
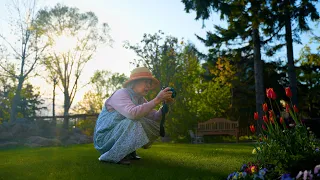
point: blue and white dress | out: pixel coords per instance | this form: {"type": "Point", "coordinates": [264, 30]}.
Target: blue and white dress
{"type": "Point", "coordinates": [116, 136]}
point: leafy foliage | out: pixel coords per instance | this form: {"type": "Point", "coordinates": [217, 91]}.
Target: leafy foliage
{"type": "Point", "coordinates": [104, 83]}
{"type": "Point", "coordinates": [31, 102]}
{"type": "Point", "coordinates": [83, 32]}
{"type": "Point", "coordinates": [285, 141]}
{"type": "Point", "coordinates": [20, 55]}
{"type": "Point", "coordinates": [177, 64]}
{"type": "Point", "coordinates": [309, 78]}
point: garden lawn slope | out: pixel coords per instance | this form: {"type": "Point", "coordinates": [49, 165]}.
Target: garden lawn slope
{"type": "Point", "coordinates": [161, 161]}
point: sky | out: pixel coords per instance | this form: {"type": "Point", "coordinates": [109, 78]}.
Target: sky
{"type": "Point", "coordinates": [128, 21]}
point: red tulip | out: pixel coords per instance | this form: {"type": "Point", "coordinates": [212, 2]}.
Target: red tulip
{"type": "Point", "coordinates": [271, 119]}
{"type": "Point", "coordinates": [256, 116]}
{"type": "Point", "coordinates": [271, 94]}
{"type": "Point", "coordinates": [288, 92]}
{"type": "Point", "coordinates": [252, 128]}
{"type": "Point", "coordinates": [265, 107]}
{"type": "Point", "coordinates": [281, 120]}
{"type": "Point", "coordinates": [295, 108]}
{"type": "Point", "coordinates": [265, 119]}
{"type": "Point", "coordinates": [271, 113]}
{"type": "Point", "coordinates": [264, 127]}
{"type": "Point", "coordinates": [287, 108]}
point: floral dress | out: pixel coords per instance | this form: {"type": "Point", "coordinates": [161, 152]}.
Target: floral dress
{"type": "Point", "coordinates": [116, 136]}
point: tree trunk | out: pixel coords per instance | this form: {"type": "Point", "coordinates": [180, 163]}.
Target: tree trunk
{"type": "Point", "coordinates": [66, 110]}
{"type": "Point", "coordinates": [258, 75]}
{"type": "Point", "coordinates": [54, 120]}
{"type": "Point", "coordinates": [16, 100]}
{"type": "Point", "coordinates": [291, 68]}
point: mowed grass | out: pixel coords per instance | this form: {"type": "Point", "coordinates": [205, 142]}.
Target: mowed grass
{"type": "Point", "coordinates": [161, 161]}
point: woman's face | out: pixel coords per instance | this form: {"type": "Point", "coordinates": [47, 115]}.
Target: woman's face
{"type": "Point", "coordinates": [142, 87]}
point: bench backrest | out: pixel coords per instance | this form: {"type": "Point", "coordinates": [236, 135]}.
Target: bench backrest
{"type": "Point", "coordinates": [191, 134]}
{"type": "Point", "coordinates": [217, 124]}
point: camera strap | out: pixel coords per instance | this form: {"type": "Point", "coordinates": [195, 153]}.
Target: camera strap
{"type": "Point", "coordinates": [164, 110]}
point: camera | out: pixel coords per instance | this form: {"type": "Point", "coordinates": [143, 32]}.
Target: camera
{"type": "Point", "coordinates": [174, 93]}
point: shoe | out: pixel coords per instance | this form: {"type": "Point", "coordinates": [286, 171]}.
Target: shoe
{"type": "Point", "coordinates": [147, 146]}
{"type": "Point", "coordinates": [134, 156]}
{"type": "Point", "coordinates": [124, 162]}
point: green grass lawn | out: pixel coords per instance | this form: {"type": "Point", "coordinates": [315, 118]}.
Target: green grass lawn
{"type": "Point", "coordinates": [161, 161]}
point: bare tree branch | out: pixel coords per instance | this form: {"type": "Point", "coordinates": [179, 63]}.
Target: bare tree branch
{"type": "Point", "coordinates": [9, 72]}
{"type": "Point", "coordinates": [10, 45]}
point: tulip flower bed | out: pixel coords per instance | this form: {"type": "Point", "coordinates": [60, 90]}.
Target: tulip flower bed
{"type": "Point", "coordinates": [286, 149]}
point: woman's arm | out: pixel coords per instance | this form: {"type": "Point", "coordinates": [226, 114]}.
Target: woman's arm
{"type": "Point", "coordinates": [154, 114]}
{"type": "Point", "coordinates": [121, 102]}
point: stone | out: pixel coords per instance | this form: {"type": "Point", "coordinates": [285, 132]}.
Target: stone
{"type": "Point", "coordinates": [17, 129]}
{"type": "Point", "coordinates": [39, 133]}
{"type": "Point", "coordinates": [22, 121]}
{"type": "Point", "coordinates": [6, 125]}
{"type": "Point", "coordinates": [71, 141]}
{"type": "Point", "coordinates": [6, 135]}
{"type": "Point", "coordinates": [2, 129]}
{"type": "Point", "coordinates": [8, 144]}
{"type": "Point", "coordinates": [77, 130]}
{"type": "Point", "coordinates": [35, 141]}
{"type": "Point", "coordinates": [84, 139]}
{"type": "Point", "coordinates": [62, 134]}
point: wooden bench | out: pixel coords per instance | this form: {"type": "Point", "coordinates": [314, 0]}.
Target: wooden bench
{"type": "Point", "coordinates": [218, 126]}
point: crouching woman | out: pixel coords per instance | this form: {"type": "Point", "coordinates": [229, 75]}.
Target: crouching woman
{"type": "Point", "coordinates": [128, 121]}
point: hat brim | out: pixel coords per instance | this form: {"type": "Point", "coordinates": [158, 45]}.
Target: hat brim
{"type": "Point", "coordinates": [155, 82]}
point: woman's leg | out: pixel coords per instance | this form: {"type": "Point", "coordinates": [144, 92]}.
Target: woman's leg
{"type": "Point", "coordinates": [126, 137]}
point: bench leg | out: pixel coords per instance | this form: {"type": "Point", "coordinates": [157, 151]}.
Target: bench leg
{"type": "Point", "coordinates": [237, 136]}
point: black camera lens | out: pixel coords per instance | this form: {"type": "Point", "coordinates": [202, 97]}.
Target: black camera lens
{"type": "Point", "coordinates": [174, 93]}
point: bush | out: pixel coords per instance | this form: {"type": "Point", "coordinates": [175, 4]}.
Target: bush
{"type": "Point", "coordinates": [285, 144]}
{"type": "Point", "coordinates": [86, 126]}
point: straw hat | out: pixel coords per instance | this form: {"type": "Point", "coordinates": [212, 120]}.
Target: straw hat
{"type": "Point", "coordinates": [142, 73]}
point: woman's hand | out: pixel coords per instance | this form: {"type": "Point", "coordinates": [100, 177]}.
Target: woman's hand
{"type": "Point", "coordinates": [164, 95]}
{"type": "Point", "coordinates": [169, 101]}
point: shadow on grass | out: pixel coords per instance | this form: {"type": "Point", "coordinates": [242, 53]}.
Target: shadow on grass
{"type": "Point", "coordinates": [155, 168]}
{"type": "Point", "coordinates": [160, 162]}
{"type": "Point", "coordinates": [147, 168]}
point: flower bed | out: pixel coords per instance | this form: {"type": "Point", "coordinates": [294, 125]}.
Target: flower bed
{"type": "Point", "coordinates": [286, 149]}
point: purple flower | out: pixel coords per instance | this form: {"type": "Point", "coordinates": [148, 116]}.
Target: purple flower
{"type": "Point", "coordinates": [243, 167]}
{"type": "Point", "coordinates": [286, 177]}
{"type": "Point", "coordinates": [262, 172]}
{"type": "Point", "coordinates": [316, 169]}
{"type": "Point", "coordinates": [231, 175]}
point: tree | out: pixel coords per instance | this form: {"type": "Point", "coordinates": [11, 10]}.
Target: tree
{"type": "Point", "coordinates": [27, 49]}
{"type": "Point", "coordinates": [31, 101]}
{"type": "Point", "coordinates": [99, 81]}
{"type": "Point", "coordinates": [74, 38]}
{"type": "Point", "coordinates": [197, 100]}
{"type": "Point", "coordinates": [104, 84]}
{"type": "Point", "coordinates": [30, 104]}
{"type": "Point", "coordinates": [235, 73]}
{"type": "Point", "coordinates": [6, 85]}
{"type": "Point", "coordinates": [284, 15]}
{"type": "Point", "coordinates": [244, 20]}
{"type": "Point", "coordinates": [115, 81]}
{"type": "Point", "coordinates": [309, 78]}
{"type": "Point", "coordinates": [177, 64]}
{"type": "Point", "coordinates": [90, 104]}
{"type": "Point", "coordinates": [159, 54]}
